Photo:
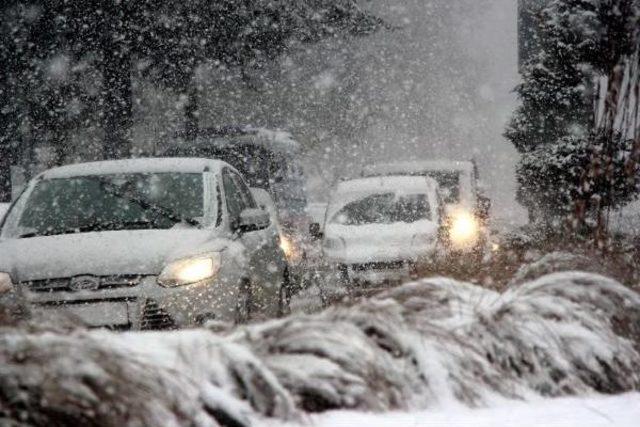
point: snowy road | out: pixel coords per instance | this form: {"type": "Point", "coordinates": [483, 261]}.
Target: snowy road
{"type": "Point", "coordinates": [619, 411]}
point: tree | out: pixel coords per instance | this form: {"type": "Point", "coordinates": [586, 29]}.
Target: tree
{"type": "Point", "coordinates": [175, 37]}
{"type": "Point", "coordinates": [170, 38]}
{"type": "Point", "coordinates": [570, 165]}
{"type": "Point", "coordinates": [245, 34]}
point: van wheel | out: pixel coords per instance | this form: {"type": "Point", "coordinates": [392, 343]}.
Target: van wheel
{"type": "Point", "coordinates": [284, 297]}
{"type": "Point", "coordinates": [245, 300]}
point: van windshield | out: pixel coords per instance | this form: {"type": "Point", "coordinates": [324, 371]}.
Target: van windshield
{"type": "Point", "coordinates": [109, 203]}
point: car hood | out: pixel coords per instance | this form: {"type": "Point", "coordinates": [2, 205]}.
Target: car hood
{"type": "Point", "coordinates": [102, 253]}
{"type": "Point", "coordinates": [380, 242]}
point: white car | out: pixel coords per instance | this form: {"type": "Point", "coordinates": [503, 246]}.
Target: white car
{"type": "Point", "coordinates": [4, 207]}
{"type": "Point", "coordinates": [143, 244]}
{"type": "Point", "coordinates": [378, 229]}
{"type": "Point", "coordinates": [466, 207]}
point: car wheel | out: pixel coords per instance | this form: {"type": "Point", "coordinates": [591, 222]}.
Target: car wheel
{"type": "Point", "coordinates": [284, 300]}
{"type": "Point", "coordinates": [245, 300]}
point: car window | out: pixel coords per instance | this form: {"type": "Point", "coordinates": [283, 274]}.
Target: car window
{"type": "Point", "coordinates": [449, 183]}
{"type": "Point", "coordinates": [232, 194]}
{"type": "Point", "coordinates": [248, 202]}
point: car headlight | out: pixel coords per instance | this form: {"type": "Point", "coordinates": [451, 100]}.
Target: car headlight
{"type": "Point", "coordinates": [188, 271]}
{"type": "Point", "coordinates": [290, 248]}
{"type": "Point", "coordinates": [5, 283]}
{"type": "Point", "coordinates": [464, 229]}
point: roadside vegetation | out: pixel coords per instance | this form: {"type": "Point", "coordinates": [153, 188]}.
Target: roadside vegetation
{"type": "Point", "coordinates": [417, 346]}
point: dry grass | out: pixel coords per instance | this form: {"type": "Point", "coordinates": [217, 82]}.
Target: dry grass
{"type": "Point", "coordinates": [525, 256]}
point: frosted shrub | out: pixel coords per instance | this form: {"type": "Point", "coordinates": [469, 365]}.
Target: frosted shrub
{"type": "Point", "coordinates": [420, 345]}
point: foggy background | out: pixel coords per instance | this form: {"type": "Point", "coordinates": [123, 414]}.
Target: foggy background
{"type": "Point", "coordinates": [437, 85]}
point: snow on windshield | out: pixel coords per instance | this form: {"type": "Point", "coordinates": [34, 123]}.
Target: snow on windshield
{"type": "Point", "coordinates": [384, 208]}
{"type": "Point", "coordinates": [108, 202]}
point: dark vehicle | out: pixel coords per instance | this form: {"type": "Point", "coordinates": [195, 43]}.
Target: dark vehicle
{"type": "Point", "coordinates": [268, 160]}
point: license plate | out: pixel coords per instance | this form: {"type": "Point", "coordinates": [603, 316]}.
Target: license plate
{"type": "Point", "coordinates": [98, 313]}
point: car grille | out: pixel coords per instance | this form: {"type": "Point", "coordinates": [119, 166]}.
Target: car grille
{"type": "Point", "coordinates": [154, 317]}
{"type": "Point", "coordinates": [63, 284]}
{"type": "Point", "coordinates": [393, 265]}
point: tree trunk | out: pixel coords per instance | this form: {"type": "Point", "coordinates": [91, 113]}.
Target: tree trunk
{"type": "Point", "coordinates": [5, 176]}
{"type": "Point", "coordinates": [117, 119]}
{"type": "Point", "coordinates": [191, 125]}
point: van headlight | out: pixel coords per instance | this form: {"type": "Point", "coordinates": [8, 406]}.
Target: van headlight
{"type": "Point", "coordinates": [5, 283]}
{"type": "Point", "coordinates": [464, 229]}
{"type": "Point", "coordinates": [188, 271]}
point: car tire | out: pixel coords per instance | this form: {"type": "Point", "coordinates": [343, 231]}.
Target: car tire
{"type": "Point", "coordinates": [284, 296]}
{"type": "Point", "coordinates": [244, 303]}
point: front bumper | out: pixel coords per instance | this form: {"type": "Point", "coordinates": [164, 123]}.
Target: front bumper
{"type": "Point", "coordinates": [143, 305]}
{"type": "Point", "coordinates": [378, 272]}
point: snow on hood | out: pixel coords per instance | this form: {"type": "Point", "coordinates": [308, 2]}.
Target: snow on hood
{"type": "Point", "coordinates": [380, 242]}
{"type": "Point", "coordinates": [103, 253]}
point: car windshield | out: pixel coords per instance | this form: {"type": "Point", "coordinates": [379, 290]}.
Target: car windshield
{"type": "Point", "coordinates": [386, 208]}
{"type": "Point", "coordinates": [109, 202]}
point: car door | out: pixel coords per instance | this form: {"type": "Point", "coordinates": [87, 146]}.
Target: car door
{"type": "Point", "coordinates": [265, 260]}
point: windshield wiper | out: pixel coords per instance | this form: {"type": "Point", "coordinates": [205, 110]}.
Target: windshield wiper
{"type": "Point", "coordinates": [52, 232]}
{"type": "Point", "coordinates": [113, 225]}
{"type": "Point", "coordinates": [31, 234]}
{"type": "Point", "coordinates": [95, 226]}
{"type": "Point", "coordinates": [145, 204]}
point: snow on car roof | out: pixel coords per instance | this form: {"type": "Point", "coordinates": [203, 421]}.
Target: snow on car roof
{"type": "Point", "coordinates": [417, 166]}
{"type": "Point", "coordinates": [274, 140]}
{"type": "Point", "coordinates": [144, 165]}
{"type": "Point", "coordinates": [407, 183]}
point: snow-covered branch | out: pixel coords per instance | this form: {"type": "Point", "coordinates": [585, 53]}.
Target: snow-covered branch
{"type": "Point", "coordinates": [417, 346]}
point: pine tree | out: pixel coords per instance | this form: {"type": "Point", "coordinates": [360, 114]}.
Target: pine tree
{"type": "Point", "coordinates": [555, 127]}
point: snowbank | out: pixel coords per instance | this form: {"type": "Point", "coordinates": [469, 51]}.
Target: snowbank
{"type": "Point", "coordinates": [593, 411]}
{"type": "Point", "coordinates": [425, 345]}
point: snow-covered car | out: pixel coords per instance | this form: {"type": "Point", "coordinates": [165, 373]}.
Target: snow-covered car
{"type": "Point", "coordinates": [466, 207]}
{"type": "Point", "coordinates": [267, 159]}
{"type": "Point", "coordinates": [143, 244]}
{"type": "Point", "coordinates": [379, 229]}
{"type": "Point", "coordinates": [4, 207]}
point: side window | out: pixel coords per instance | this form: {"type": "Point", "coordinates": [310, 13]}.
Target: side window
{"type": "Point", "coordinates": [247, 197]}
{"type": "Point", "coordinates": [232, 194]}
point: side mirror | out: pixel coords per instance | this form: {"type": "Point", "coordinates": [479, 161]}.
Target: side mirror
{"type": "Point", "coordinates": [252, 220]}
{"type": "Point", "coordinates": [315, 231]}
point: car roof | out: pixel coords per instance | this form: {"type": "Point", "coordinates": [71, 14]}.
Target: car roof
{"type": "Point", "coordinates": [418, 166]}
{"type": "Point", "coordinates": [143, 165]}
{"type": "Point", "coordinates": [367, 185]}
{"type": "Point", "coordinates": [228, 136]}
